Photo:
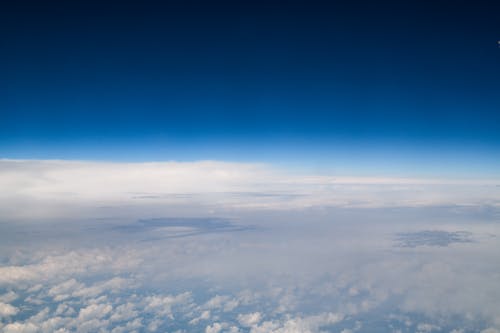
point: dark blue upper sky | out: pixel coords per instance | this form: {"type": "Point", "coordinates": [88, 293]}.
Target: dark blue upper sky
{"type": "Point", "coordinates": [98, 77]}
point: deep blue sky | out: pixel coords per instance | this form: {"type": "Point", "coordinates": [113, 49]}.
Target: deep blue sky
{"type": "Point", "coordinates": [116, 80]}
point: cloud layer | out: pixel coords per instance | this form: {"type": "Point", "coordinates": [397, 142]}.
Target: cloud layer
{"type": "Point", "coordinates": [66, 188]}
{"type": "Point", "coordinates": [222, 247]}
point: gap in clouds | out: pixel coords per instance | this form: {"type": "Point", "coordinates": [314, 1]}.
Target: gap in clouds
{"type": "Point", "coordinates": [433, 238]}
{"type": "Point", "coordinates": [171, 227]}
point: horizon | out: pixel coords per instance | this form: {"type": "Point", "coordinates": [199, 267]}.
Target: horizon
{"type": "Point", "coordinates": [249, 167]}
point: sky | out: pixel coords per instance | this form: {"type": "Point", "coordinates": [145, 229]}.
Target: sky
{"type": "Point", "coordinates": [254, 81]}
{"type": "Point", "coordinates": [249, 167]}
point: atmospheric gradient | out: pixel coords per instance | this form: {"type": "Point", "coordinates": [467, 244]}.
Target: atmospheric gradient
{"type": "Point", "coordinates": [249, 166]}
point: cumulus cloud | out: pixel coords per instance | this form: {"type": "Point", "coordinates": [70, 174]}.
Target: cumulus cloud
{"type": "Point", "coordinates": [205, 315]}
{"type": "Point", "coordinates": [94, 311]}
{"type": "Point", "coordinates": [214, 328]}
{"type": "Point", "coordinates": [7, 310]}
{"type": "Point", "coordinates": [163, 305]}
{"type": "Point", "coordinates": [490, 330]}
{"type": "Point", "coordinates": [66, 265]}
{"type": "Point", "coordinates": [8, 297]}
{"type": "Point", "coordinates": [225, 303]}
{"type": "Point", "coordinates": [124, 312]}
{"type": "Point", "coordinates": [249, 319]}
{"type": "Point", "coordinates": [20, 328]}
{"type": "Point", "coordinates": [310, 324]}
{"type": "Point", "coordinates": [426, 327]}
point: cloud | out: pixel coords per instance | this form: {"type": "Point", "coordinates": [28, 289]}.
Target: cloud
{"type": "Point", "coordinates": [124, 312]}
{"type": "Point", "coordinates": [20, 328]}
{"type": "Point", "coordinates": [302, 276]}
{"type": "Point", "coordinates": [65, 265]}
{"type": "Point", "coordinates": [310, 324]}
{"type": "Point", "coordinates": [113, 285]}
{"type": "Point", "coordinates": [8, 297]}
{"type": "Point", "coordinates": [94, 311]}
{"type": "Point", "coordinates": [58, 189]}
{"type": "Point", "coordinates": [490, 330]}
{"type": "Point", "coordinates": [225, 303]}
{"type": "Point", "coordinates": [105, 247]}
{"type": "Point", "coordinates": [163, 305]}
{"type": "Point", "coordinates": [426, 327]}
{"type": "Point", "coordinates": [7, 310]}
{"type": "Point", "coordinates": [64, 290]}
{"type": "Point", "coordinates": [249, 319]}
{"type": "Point", "coordinates": [214, 328]}
{"type": "Point", "coordinates": [205, 315]}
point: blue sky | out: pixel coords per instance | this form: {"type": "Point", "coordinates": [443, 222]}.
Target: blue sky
{"type": "Point", "coordinates": [391, 86]}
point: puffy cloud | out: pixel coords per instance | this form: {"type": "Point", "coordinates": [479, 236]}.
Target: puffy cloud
{"type": "Point", "coordinates": [124, 312]}
{"type": "Point", "coordinates": [205, 315]}
{"type": "Point", "coordinates": [131, 326]}
{"type": "Point", "coordinates": [113, 285]}
{"type": "Point", "coordinates": [224, 302]}
{"type": "Point", "coordinates": [249, 319]}
{"type": "Point", "coordinates": [92, 325]}
{"type": "Point", "coordinates": [94, 311]}
{"type": "Point", "coordinates": [214, 328]}
{"type": "Point", "coordinates": [221, 327]}
{"type": "Point", "coordinates": [54, 324]}
{"type": "Point", "coordinates": [20, 328]}
{"type": "Point", "coordinates": [310, 324]}
{"type": "Point", "coordinates": [8, 297]}
{"type": "Point", "coordinates": [7, 310]}
{"type": "Point", "coordinates": [163, 305]}
{"type": "Point", "coordinates": [64, 290]}
{"type": "Point", "coordinates": [64, 309]}
{"type": "Point", "coordinates": [490, 330]}
{"type": "Point", "coordinates": [426, 327]}
{"type": "Point", "coordinates": [58, 267]}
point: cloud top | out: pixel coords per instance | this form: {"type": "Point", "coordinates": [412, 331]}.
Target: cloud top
{"type": "Point", "coordinates": [61, 188]}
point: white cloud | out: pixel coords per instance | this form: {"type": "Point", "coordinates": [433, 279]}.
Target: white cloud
{"type": "Point", "coordinates": [66, 265]}
{"type": "Point", "coordinates": [64, 309]}
{"type": "Point", "coordinates": [7, 310]}
{"type": "Point", "coordinates": [124, 312]}
{"type": "Point", "coordinates": [205, 315]}
{"type": "Point", "coordinates": [92, 325]}
{"type": "Point", "coordinates": [249, 319]}
{"type": "Point", "coordinates": [214, 328]}
{"type": "Point", "coordinates": [309, 324]}
{"type": "Point", "coordinates": [64, 290]}
{"type": "Point", "coordinates": [426, 327]}
{"type": "Point", "coordinates": [131, 326]}
{"type": "Point", "coordinates": [226, 303]}
{"type": "Point", "coordinates": [8, 297]}
{"type": "Point", "coordinates": [113, 285]}
{"type": "Point", "coordinates": [20, 328]}
{"type": "Point", "coordinates": [64, 188]}
{"type": "Point", "coordinates": [305, 269]}
{"type": "Point", "coordinates": [94, 311]}
{"type": "Point", "coordinates": [163, 305]}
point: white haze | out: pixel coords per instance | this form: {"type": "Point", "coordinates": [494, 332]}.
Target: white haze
{"type": "Point", "coordinates": [232, 247]}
